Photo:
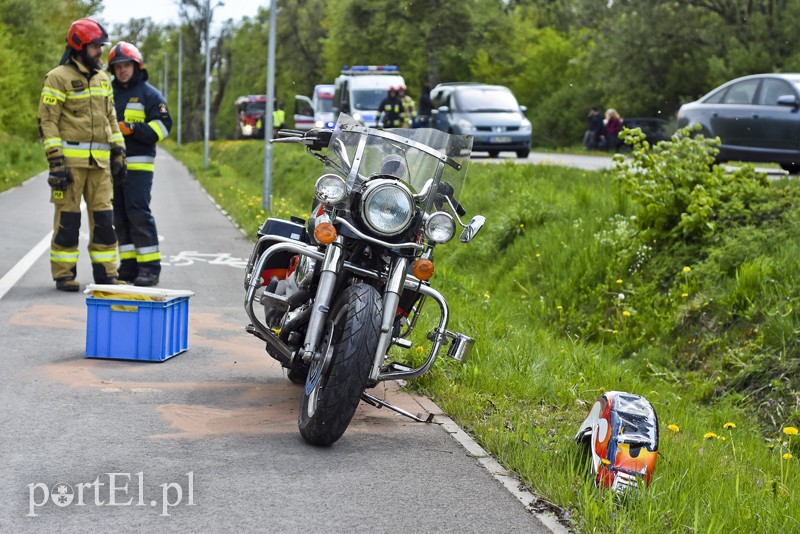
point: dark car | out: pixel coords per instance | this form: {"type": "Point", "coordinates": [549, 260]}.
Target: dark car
{"type": "Point", "coordinates": [757, 118]}
{"type": "Point", "coordinates": [654, 129]}
{"type": "Point", "coordinates": [489, 113]}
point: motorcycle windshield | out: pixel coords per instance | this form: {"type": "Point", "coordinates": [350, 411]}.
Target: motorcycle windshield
{"type": "Point", "coordinates": [419, 157]}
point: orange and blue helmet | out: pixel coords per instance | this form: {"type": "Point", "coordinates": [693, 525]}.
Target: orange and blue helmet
{"type": "Point", "coordinates": [621, 430]}
{"type": "Point", "coordinates": [123, 51]}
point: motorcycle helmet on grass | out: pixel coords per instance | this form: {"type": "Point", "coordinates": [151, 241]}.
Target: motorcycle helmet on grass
{"type": "Point", "coordinates": [621, 430]}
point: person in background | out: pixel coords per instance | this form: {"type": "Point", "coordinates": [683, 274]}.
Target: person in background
{"type": "Point", "coordinates": [409, 113]}
{"type": "Point", "coordinates": [84, 148]}
{"type": "Point", "coordinates": [613, 127]}
{"type": "Point", "coordinates": [144, 121]}
{"type": "Point", "coordinates": [425, 108]}
{"type": "Point", "coordinates": [594, 131]}
{"type": "Point", "coordinates": [278, 118]}
{"type": "Point", "coordinates": [389, 110]}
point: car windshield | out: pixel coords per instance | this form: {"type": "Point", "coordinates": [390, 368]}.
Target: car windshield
{"type": "Point", "coordinates": [255, 107]}
{"type": "Point", "coordinates": [368, 99]}
{"type": "Point", "coordinates": [486, 100]}
{"type": "Point", "coordinates": [325, 104]}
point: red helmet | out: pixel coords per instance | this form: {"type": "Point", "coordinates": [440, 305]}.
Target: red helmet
{"type": "Point", "coordinates": [85, 31]}
{"type": "Point", "coordinates": [123, 51]}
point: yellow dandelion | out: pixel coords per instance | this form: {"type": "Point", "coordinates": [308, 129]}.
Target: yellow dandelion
{"type": "Point", "coordinates": [684, 295]}
{"type": "Point", "coordinates": [674, 428]}
{"type": "Point", "coordinates": [790, 430]}
{"type": "Point", "coordinates": [522, 226]}
{"type": "Point", "coordinates": [487, 296]}
{"type": "Point", "coordinates": [788, 456]}
{"type": "Point", "coordinates": [559, 307]}
{"type": "Point", "coordinates": [729, 425]}
{"type": "Point", "coordinates": [709, 435]}
{"type": "Point", "coordinates": [626, 313]}
{"type": "Point", "coordinates": [687, 269]}
{"type": "Point", "coordinates": [619, 281]}
{"type": "Point", "coordinates": [538, 255]}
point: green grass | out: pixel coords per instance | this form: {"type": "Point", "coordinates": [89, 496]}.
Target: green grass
{"type": "Point", "coordinates": [19, 160]}
{"type": "Point", "coordinates": [540, 291]}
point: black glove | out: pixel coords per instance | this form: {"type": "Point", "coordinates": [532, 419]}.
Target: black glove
{"type": "Point", "coordinates": [60, 177]}
{"type": "Point", "coordinates": [119, 165]}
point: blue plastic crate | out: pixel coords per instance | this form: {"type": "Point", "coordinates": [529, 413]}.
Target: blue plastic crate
{"type": "Point", "coordinates": [129, 329]}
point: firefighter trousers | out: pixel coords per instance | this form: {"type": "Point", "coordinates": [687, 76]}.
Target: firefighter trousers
{"type": "Point", "coordinates": [94, 185]}
{"type": "Point", "coordinates": [135, 226]}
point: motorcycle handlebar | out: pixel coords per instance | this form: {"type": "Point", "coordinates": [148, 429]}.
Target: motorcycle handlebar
{"type": "Point", "coordinates": [315, 139]}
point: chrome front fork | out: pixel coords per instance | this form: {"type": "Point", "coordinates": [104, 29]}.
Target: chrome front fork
{"type": "Point", "coordinates": [329, 272]}
{"type": "Point", "coordinates": [391, 298]}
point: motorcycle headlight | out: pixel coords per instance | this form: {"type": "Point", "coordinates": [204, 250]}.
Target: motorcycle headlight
{"type": "Point", "coordinates": [330, 189]}
{"type": "Point", "coordinates": [440, 227]}
{"type": "Point", "coordinates": [387, 206]}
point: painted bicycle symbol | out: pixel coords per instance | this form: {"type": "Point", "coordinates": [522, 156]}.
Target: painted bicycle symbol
{"type": "Point", "coordinates": [190, 257]}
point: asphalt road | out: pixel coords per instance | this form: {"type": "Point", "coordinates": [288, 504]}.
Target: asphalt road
{"type": "Point", "coordinates": [206, 440]}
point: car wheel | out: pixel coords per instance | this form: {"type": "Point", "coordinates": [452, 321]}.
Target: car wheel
{"type": "Point", "coordinates": [793, 168]}
{"type": "Point", "coordinates": [522, 154]}
{"type": "Point", "coordinates": [494, 153]}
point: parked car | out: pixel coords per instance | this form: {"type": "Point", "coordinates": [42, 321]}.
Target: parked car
{"type": "Point", "coordinates": [654, 129]}
{"type": "Point", "coordinates": [490, 113]}
{"type": "Point", "coordinates": [757, 118]}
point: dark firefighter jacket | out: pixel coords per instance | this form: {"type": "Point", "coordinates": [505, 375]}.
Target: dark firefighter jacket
{"type": "Point", "coordinates": [144, 109]}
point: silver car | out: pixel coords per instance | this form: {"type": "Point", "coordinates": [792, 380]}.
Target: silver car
{"type": "Point", "coordinates": [489, 113]}
{"type": "Point", "coordinates": [757, 118]}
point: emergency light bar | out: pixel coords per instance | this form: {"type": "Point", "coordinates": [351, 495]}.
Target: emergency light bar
{"type": "Point", "coordinates": [370, 69]}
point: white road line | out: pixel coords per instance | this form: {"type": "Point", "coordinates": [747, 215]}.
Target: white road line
{"type": "Point", "coordinates": [18, 271]}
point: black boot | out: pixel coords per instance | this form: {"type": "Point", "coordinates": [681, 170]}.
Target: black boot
{"type": "Point", "coordinates": [146, 279]}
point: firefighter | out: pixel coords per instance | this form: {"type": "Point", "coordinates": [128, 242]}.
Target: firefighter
{"type": "Point", "coordinates": [409, 113]}
{"type": "Point", "coordinates": [390, 109]}
{"type": "Point", "coordinates": [144, 121]}
{"type": "Point", "coordinates": [278, 118]}
{"type": "Point", "coordinates": [84, 148]}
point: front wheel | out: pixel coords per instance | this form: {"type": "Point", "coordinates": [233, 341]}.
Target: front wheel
{"type": "Point", "coordinates": [792, 168]}
{"type": "Point", "coordinates": [338, 378]}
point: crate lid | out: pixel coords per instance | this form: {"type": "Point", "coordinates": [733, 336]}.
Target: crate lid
{"type": "Point", "coordinates": [152, 293]}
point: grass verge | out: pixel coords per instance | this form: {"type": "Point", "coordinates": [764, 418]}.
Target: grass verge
{"type": "Point", "coordinates": [524, 289]}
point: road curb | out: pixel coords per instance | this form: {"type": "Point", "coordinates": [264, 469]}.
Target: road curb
{"type": "Point", "coordinates": [538, 507]}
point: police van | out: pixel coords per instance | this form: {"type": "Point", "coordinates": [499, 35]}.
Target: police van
{"type": "Point", "coordinates": [315, 112]}
{"type": "Point", "coordinates": [359, 90]}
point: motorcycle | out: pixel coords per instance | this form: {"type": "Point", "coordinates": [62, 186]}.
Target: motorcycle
{"type": "Point", "coordinates": [338, 292]}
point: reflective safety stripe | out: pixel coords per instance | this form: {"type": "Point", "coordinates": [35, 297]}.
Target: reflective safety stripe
{"type": "Point", "coordinates": [127, 252]}
{"type": "Point", "coordinates": [84, 150]}
{"type": "Point", "coordinates": [52, 142]}
{"type": "Point", "coordinates": [145, 254]}
{"type": "Point", "coordinates": [148, 257]}
{"type": "Point", "coordinates": [117, 138]}
{"type": "Point", "coordinates": [103, 256]}
{"type": "Point", "coordinates": [159, 128]}
{"type": "Point", "coordinates": [134, 112]}
{"type": "Point", "coordinates": [141, 163]}
{"type": "Point", "coordinates": [64, 256]}
{"type": "Point", "coordinates": [53, 92]}
{"type": "Point", "coordinates": [141, 159]}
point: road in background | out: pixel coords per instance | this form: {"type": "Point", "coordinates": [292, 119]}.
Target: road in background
{"type": "Point", "coordinates": [98, 445]}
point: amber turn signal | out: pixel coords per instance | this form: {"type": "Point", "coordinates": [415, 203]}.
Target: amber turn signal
{"type": "Point", "coordinates": [325, 233]}
{"type": "Point", "coordinates": [422, 269]}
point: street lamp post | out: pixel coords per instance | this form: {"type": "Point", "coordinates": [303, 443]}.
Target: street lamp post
{"type": "Point", "coordinates": [166, 71]}
{"type": "Point", "coordinates": [180, 82]}
{"type": "Point", "coordinates": [208, 84]}
{"type": "Point", "coordinates": [266, 192]}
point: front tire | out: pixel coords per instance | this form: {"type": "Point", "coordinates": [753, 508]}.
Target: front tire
{"type": "Point", "coordinates": [336, 381]}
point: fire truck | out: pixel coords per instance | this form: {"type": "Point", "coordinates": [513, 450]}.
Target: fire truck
{"type": "Point", "coordinates": [250, 111]}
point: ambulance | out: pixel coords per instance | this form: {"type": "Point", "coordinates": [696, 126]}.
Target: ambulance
{"type": "Point", "coordinates": [315, 112]}
{"type": "Point", "coordinates": [359, 90]}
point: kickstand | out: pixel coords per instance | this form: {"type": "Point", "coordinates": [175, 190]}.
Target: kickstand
{"type": "Point", "coordinates": [379, 403]}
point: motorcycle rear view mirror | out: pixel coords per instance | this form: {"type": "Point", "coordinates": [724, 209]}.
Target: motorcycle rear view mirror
{"type": "Point", "coordinates": [472, 229]}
